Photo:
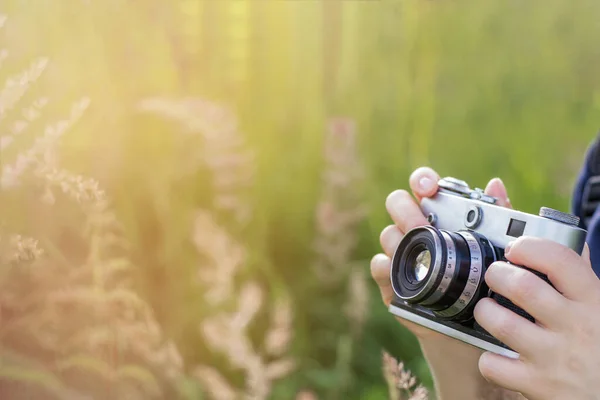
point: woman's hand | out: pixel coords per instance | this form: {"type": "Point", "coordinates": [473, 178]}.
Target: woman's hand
{"type": "Point", "coordinates": [443, 353]}
{"type": "Point", "coordinates": [406, 214]}
{"type": "Point", "coordinates": [560, 354]}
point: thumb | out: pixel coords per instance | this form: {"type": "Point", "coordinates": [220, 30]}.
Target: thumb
{"type": "Point", "coordinates": [497, 189]}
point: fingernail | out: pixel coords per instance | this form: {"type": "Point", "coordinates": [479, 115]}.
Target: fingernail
{"type": "Point", "coordinates": [508, 247]}
{"type": "Point", "coordinates": [426, 184]}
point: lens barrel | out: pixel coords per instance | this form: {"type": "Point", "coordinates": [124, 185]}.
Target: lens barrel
{"type": "Point", "coordinates": [455, 263]}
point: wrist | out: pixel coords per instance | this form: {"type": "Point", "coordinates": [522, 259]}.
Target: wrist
{"type": "Point", "coordinates": [453, 367]}
{"type": "Point", "coordinates": [455, 371]}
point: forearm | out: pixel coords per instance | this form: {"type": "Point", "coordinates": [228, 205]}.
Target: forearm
{"type": "Point", "coordinates": [455, 372]}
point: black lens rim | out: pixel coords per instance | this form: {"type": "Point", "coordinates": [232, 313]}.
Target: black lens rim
{"type": "Point", "coordinates": [411, 245]}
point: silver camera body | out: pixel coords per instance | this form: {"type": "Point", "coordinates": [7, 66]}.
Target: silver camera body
{"type": "Point", "coordinates": [438, 271]}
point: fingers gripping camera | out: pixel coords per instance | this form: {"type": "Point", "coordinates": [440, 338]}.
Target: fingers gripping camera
{"type": "Point", "coordinates": [438, 271]}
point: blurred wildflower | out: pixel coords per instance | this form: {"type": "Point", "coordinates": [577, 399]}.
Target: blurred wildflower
{"type": "Point", "coordinates": [29, 115]}
{"type": "Point", "coordinates": [279, 336]}
{"type": "Point", "coordinates": [224, 152]}
{"type": "Point", "coordinates": [306, 395]}
{"type": "Point", "coordinates": [225, 257]}
{"type": "Point", "coordinates": [68, 311]}
{"type": "Point", "coordinates": [214, 383]}
{"type": "Point", "coordinates": [340, 210]}
{"type": "Point", "coordinates": [357, 305]}
{"type": "Point", "coordinates": [227, 331]}
{"type": "Point", "coordinates": [19, 250]}
{"type": "Point", "coordinates": [228, 334]}
{"type": "Point", "coordinates": [82, 189]}
{"type": "Point", "coordinates": [420, 393]}
{"type": "Point", "coordinates": [79, 317]}
{"type": "Point", "coordinates": [16, 86]}
{"type": "Point", "coordinates": [12, 172]}
{"type": "Point", "coordinates": [401, 382]}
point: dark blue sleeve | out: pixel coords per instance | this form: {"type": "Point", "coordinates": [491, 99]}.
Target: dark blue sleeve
{"type": "Point", "coordinates": [591, 167]}
{"type": "Point", "coordinates": [584, 175]}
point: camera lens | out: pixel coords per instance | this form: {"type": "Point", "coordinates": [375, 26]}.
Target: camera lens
{"type": "Point", "coordinates": [441, 271]}
{"type": "Point", "coordinates": [421, 265]}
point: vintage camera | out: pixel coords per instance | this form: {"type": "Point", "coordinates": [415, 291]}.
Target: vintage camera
{"type": "Point", "coordinates": [438, 271]}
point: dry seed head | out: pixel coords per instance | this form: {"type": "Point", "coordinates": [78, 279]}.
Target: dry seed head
{"type": "Point", "coordinates": [405, 378]}
{"type": "Point", "coordinates": [225, 153]}
{"type": "Point", "coordinates": [16, 86]}
{"type": "Point", "coordinates": [306, 395]}
{"type": "Point", "coordinates": [29, 115]}
{"type": "Point", "coordinates": [399, 379]}
{"type": "Point", "coordinates": [390, 365]}
{"type": "Point", "coordinates": [280, 334]}
{"type": "Point", "coordinates": [280, 368]}
{"type": "Point", "coordinates": [339, 210]}
{"type": "Point", "coordinates": [420, 393]}
{"type": "Point", "coordinates": [216, 386]}
{"type": "Point", "coordinates": [228, 333]}
{"type": "Point", "coordinates": [225, 257]}
{"type": "Point", "coordinates": [77, 187]}
{"type": "Point", "coordinates": [249, 304]}
{"type": "Point", "coordinates": [11, 173]}
{"type": "Point", "coordinates": [23, 250]}
{"type": "Point", "coordinates": [358, 302]}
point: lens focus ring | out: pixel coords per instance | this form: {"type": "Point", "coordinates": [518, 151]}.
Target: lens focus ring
{"type": "Point", "coordinates": [449, 270]}
{"type": "Point", "coordinates": [473, 281]}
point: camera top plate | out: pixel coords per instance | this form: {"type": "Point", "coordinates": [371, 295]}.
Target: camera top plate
{"type": "Point", "coordinates": [457, 207]}
{"type": "Point", "coordinates": [462, 188]}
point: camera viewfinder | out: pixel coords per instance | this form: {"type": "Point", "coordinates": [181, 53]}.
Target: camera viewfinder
{"type": "Point", "coordinates": [516, 228]}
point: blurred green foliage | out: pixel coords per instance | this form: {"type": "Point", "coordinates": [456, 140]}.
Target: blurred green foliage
{"type": "Point", "coordinates": [473, 89]}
